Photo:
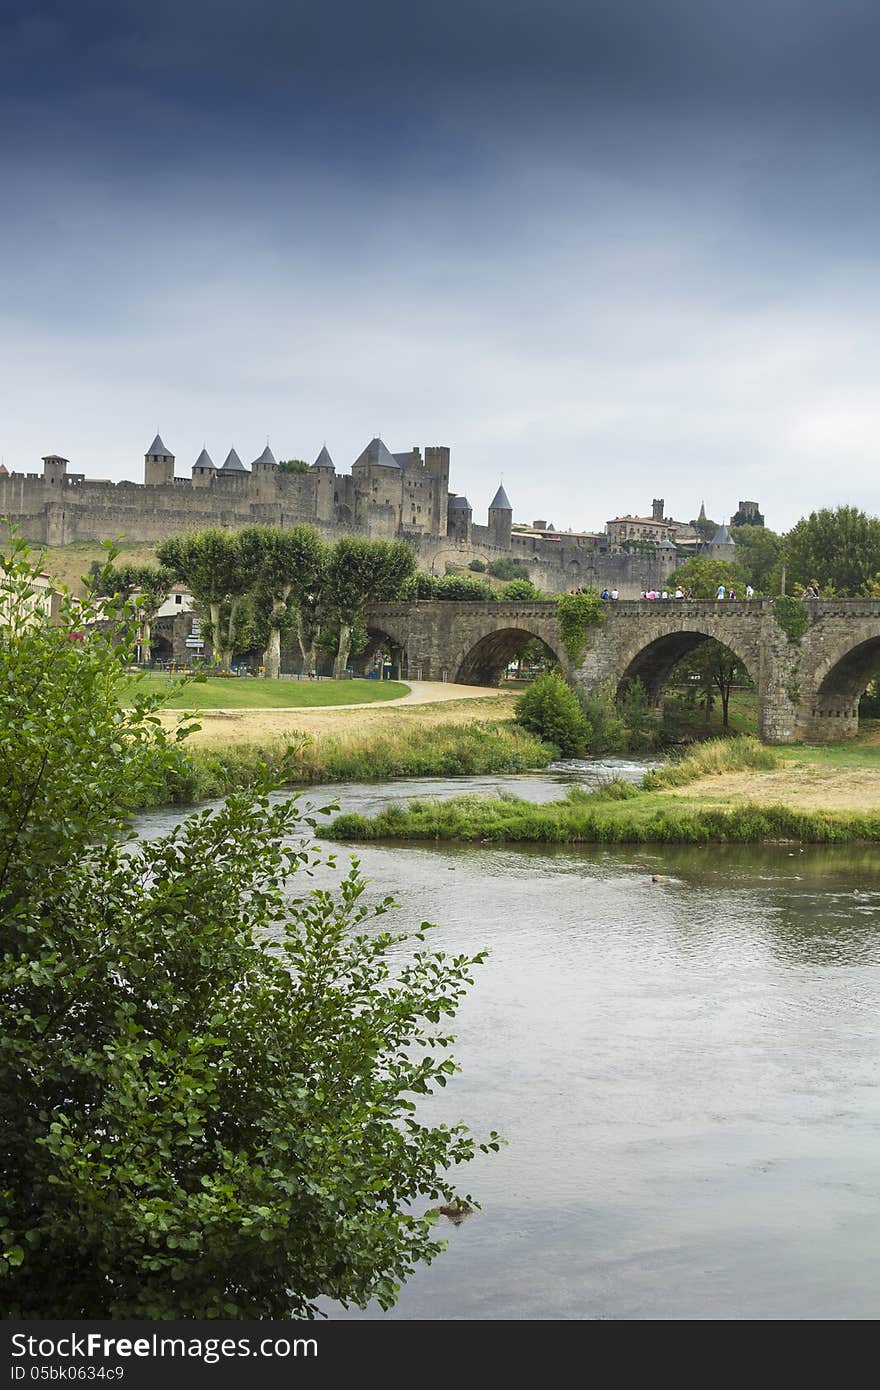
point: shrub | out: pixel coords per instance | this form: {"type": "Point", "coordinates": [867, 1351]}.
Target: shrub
{"type": "Point", "coordinates": [521, 589]}
{"type": "Point", "coordinates": [478, 566]}
{"type": "Point", "coordinates": [792, 617]}
{"type": "Point", "coordinates": [508, 568]}
{"type": "Point", "coordinates": [551, 709]}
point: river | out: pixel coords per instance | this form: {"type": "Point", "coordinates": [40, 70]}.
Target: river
{"type": "Point", "coordinates": [686, 1072]}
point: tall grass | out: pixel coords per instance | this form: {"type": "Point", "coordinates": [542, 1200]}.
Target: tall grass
{"type": "Point", "coordinates": [591, 818]}
{"type": "Point", "coordinates": [720, 755]}
{"type": "Point", "coordinates": [440, 751]}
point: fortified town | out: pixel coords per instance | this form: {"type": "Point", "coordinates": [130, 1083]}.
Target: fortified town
{"type": "Point", "coordinates": [386, 495]}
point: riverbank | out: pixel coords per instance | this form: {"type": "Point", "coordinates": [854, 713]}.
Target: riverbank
{"type": "Point", "coordinates": [459, 738]}
{"type": "Point", "coordinates": [733, 791]}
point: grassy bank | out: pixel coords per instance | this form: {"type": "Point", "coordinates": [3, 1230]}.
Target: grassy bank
{"type": "Point", "coordinates": [654, 813]}
{"type": "Point", "coordinates": [450, 750]}
{"type": "Point", "coordinates": [244, 692]}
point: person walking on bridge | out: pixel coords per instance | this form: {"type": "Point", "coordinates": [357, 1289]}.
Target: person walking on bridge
{"type": "Point", "coordinates": [722, 592]}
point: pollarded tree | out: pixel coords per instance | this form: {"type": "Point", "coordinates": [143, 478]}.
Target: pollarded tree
{"type": "Point", "coordinates": [207, 1086]}
{"type": "Point", "coordinates": [283, 568]}
{"type": "Point", "coordinates": [359, 572]}
{"type": "Point", "coordinates": [210, 563]}
{"type": "Point", "coordinates": [838, 549]}
{"type": "Point", "coordinates": [148, 585]}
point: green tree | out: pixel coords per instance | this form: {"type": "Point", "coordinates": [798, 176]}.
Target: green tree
{"type": "Point", "coordinates": [359, 572]}
{"type": "Point", "coordinates": [508, 568]}
{"type": "Point", "coordinates": [759, 553]}
{"type": "Point", "coordinates": [550, 709]}
{"type": "Point", "coordinates": [293, 466]}
{"type": "Point", "coordinates": [211, 564]}
{"type": "Point", "coordinates": [148, 584]}
{"type": "Point", "coordinates": [283, 566]}
{"type": "Point", "coordinates": [718, 670]}
{"type": "Point", "coordinates": [522, 589]}
{"type": "Point", "coordinates": [207, 1086]}
{"type": "Point", "coordinates": [700, 577]}
{"type": "Point", "coordinates": [838, 549]}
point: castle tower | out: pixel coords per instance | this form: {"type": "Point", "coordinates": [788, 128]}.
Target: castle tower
{"type": "Point", "coordinates": [378, 488]}
{"type": "Point", "coordinates": [323, 470]}
{"type": "Point", "coordinates": [500, 520]}
{"type": "Point", "coordinates": [437, 465]}
{"type": "Point", "coordinates": [264, 471]}
{"type": "Point", "coordinates": [158, 464]}
{"type": "Point", "coordinates": [721, 547]}
{"type": "Point", "coordinates": [460, 519]}
{"type": "Point", "coordinates": [203, 469]}
{"type": "Point", "coordinates": [657, 509]}
{"type": "Point", "coordinates": [55, 470]}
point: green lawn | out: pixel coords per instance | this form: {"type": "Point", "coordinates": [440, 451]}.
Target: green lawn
{"type": "Point", "coordinates": [250, 692]}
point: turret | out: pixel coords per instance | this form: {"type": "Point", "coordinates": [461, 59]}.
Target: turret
{"type": "Point", "coordinates": [323, 470]}
{"type": "Point", "coordinates": [500, 520]}
{"type": "Point", "coordinates": [459, 519]}
{"type": "Point", "coordinates": [158, 464]}
{"type": "Point", "coordinates": [54, 470]}
{"type": "Point", "coordinates": [437, 464]}
{"type": "Point", "coordinates": [203, 469]}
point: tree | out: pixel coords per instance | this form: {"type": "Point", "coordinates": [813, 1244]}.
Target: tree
{"type": "Point", "coordinates": [149, 584]}
{"type": "Point", "coordinates": [550, 709]}
{"type": "Point", "coordinates": [293, 466]}
{"type": "Point", "coordinates": [359, 572]}
{"type": "Point", "coordinates": [700, 577]}
{"type": "Point", "coordinates": [283, 566]}
{"type": "Point", "coordinates": [210, 563]}
{"type": "Point", "coordinates": [522, 589]}
{"type": "Point", "coordinates": [207, 1087]}
{"type": "Point", "coordinates": [837, 549]}
{"type": "Point", "coordinates": [759, 553]}
{"type": "Point", "coordinates": [717, 669]}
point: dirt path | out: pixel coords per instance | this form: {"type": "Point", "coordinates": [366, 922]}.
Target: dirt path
{"type": "Point", "coordinates": [428, 703]}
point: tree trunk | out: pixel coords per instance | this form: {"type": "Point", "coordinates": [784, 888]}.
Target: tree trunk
{"type": "Point", "coordinates": [272, 654]}
{"type": "Point", "coordinates": [342, 651]}
{"type": "Point", "coordinates": [221, 654]}
{"type": "Point", "coordinates": [146, 638]}
{"type": "Point", "coordinates": [725, 701]}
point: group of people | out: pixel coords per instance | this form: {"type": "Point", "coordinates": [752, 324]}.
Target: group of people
{"type": "Point", "coordinates": [724, 592]}
{"type": "Point", "coordinates": [611, 594]}
{"type": "Point", "coordinates": [659, 595]}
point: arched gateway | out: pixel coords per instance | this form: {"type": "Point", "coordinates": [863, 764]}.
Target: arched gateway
{"type": "Point", "coordinates": [807, 689]}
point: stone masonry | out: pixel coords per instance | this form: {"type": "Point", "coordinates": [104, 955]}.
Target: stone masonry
{"type": "Point", "coordinates": [807, 690]}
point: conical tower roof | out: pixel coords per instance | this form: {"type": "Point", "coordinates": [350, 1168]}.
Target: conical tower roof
{"type": "Point", "coordinates": [377, 455]}
{"type": "Point", "coordinates": [702, 516]}
{"type": "Point", "coordinates": [266, 457]}
{"type": "Point", "coordinates": [204, 460]}
{"type": "Point", "coordinates": [232, 463]}
{"type": "Point", "coordinates": [723, 537]}
{"type": "Point", "coordinates": [459, 504]}
{"type": "Point", "coordinates": [500, 502]}
{"type": "Point", "coordinates": [157, 447]}
{"type": "Point", "coordinates": [324, 460]}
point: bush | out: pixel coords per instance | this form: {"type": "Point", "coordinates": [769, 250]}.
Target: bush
{"type": "Point", "coordinates": [207, 1087]}
{"type": "Point", "coordinates": [478, 566]}
{"type": "Point", "coordinates": [551, 709]}
{"type": "Point", "coordinates": [522, 589]}
{"type": "Point", "coordinates": [508, 568]}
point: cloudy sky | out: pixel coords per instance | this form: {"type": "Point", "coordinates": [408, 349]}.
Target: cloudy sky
{"type": "Point", "coordinates": [605, 250]}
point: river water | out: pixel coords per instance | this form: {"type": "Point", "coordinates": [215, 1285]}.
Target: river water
{"type": "Point", "coordinates": [686, 1072]}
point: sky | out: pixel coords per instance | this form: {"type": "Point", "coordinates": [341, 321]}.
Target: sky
{"type": "Point", "coordinates": [606, 250]}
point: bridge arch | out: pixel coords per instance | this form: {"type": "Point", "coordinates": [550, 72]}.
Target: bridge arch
{"type": "Point", "coordinates": [654, 662]}
{"type": "Point", "coordinates": [832, 709]}
{"type": "Point", "coordinates": [486, 659]}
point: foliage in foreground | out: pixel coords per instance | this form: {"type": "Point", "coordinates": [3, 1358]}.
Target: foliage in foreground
{"type": "Point", "coordinates": [207, 1088]}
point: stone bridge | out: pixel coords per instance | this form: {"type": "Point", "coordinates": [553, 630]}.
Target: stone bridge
{"type": "Point", "coordinates": [807, 690]}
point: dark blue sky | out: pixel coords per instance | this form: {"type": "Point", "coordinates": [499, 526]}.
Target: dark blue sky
{"type": "Point", "coordinates": [609, 251]}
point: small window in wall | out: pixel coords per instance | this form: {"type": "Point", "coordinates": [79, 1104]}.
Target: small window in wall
{"type": "Point", "coordinates": [178, 598]}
